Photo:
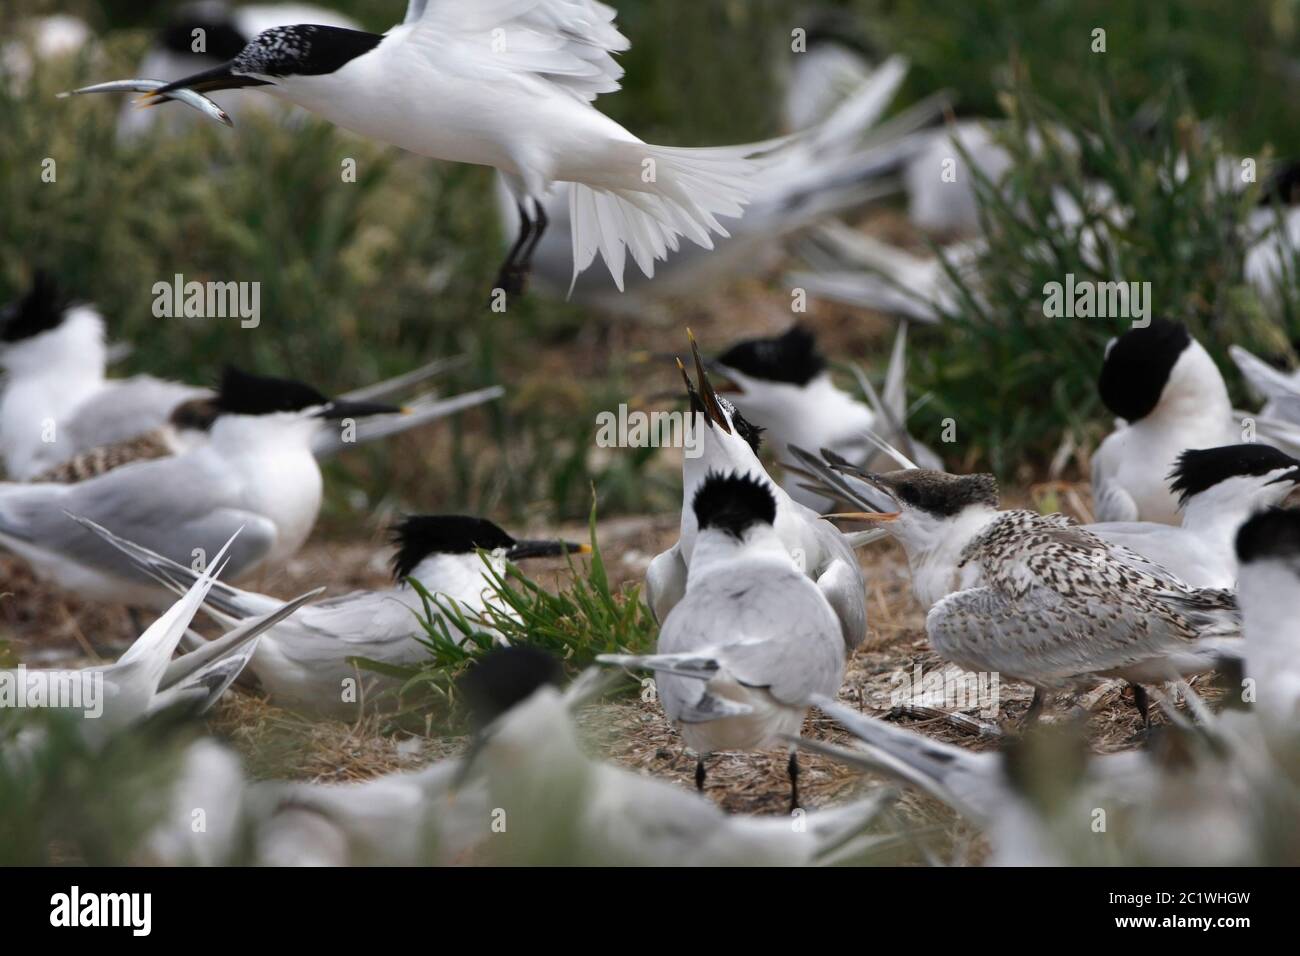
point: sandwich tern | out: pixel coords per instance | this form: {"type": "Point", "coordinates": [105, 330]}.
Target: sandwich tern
{"type": "Point", "coordinates": [782, 385]}
{"type": "Point", "coordinates": [62, 418]}
{"type": "Point", "coordinates": [255, 472]}
{"type": "Point", "coordinates": [509, 85]}
{"type": "Point", "coordinates": [1218, 489]}
{"type": "Point", "coordinates": [145, 679]}
{"type": "Point", "coordinates": [1268, 547]}
{"type": "Point", "coordinates": [1036, 597]}
{"type": "Point", "coordinates": [826, 170]}
{"type": "Point", "coordinates": [1171, 397]}
{"type": "Point", "coordinates": [307, 662]}
{"type": "Point", "coordinates": [730, 444]}
{"type": "Point", "coordinates": [752, 639]}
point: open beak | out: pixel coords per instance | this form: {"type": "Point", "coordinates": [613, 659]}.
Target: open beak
{"type": "Point", "coordinates": [217, 78]}
{"type": "Point", "coordinates": [545, 549]}
{"type": "Point", "coordinates": [708, 397]}
{"type": "Point", "coordinates": [867, 515]}
{"type": "Point", "coordinates": [340, 409]}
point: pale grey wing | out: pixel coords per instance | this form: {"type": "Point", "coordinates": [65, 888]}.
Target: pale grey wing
{"type": "Point", "coordinates": [391, 387]}
{"type": "Point", "coordinates": [125, 408]}
{"type": "Point", "coordinates": [1166, 550]}
{"type": "Point", "coordinates": [1282, 393]}
{"type": "Point", "coordinates": [971, 783]}
{"type": "Point", "coordinates": [414, 10]}
{"type": "Point", "coordinates": [169, 506]}
{"type": "Point", "coordinates": [768, 630]}
{"type": "Point", "coordinates": [1110, 502]}
{"type": "Point", "coordinates": [373, 624]}
{"type": "Point", "coordinates": [1044, 639]}
{"type": "Point", "coordinates": [569, 43]}
{"type": "Point", "coordinates": [425, 409]}
{"type": "Point", "coordinates": [665, 582]}
{"type": "Point", "coordinates": [840, 581]}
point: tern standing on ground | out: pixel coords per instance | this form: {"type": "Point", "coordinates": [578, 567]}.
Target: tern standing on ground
{"type": "Point", "coordinates": [508, 84]}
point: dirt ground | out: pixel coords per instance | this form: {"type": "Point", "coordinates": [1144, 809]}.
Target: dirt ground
{"type": "Point", "coordinates": [44, 627]}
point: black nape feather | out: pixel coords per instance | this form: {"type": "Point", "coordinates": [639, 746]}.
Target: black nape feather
{"type": "Point", "coordinates": [1137, 367]}
{"type": "Point", "coordinates": [504, 678]}
{"type": "Point", "coordinates": [40, 310]}
{"type": "Point", "coordinates": [939, 493]}
{"type": "Point", "coordinates": [1199, 469]}
{"type": "Point", "coordinates": [733, 503]}
{"type": "Point", "coordinates": [305, 49]}
{"type": "Point", "coordinates": [791, 357]}
{"type": "Point", "coordinates": [418, 536]}
{"type": "Point", "coordinates": [753, 434]}
{"type": "Point", "coordinates": [242, 393]}
{"type": "Point", "coordinates": [1274, 533]}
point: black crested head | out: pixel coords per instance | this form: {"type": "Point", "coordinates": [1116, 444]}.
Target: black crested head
{"type": "Point", "coordinates": [1274, 533]}
{"type": "Point", "coordinates": [791, 357]}
{"type": "Point", "coordinates": [1136, 369]}
{"type": "Point", "coordinates": [746, 429]}
{"type": "Point", "coordinates": [418, 536]}
{"type": "Point", "coordinates": [733, 503]}
{"type": "Point", "coordinates": [242, 393]}
{"type": "Point", "coordinates": [305, 49]}
{"type": "Point", "coordinates": [39, 310]}
{"type": "Point", "coordinates": [222, 40]}
{"type": "Point", "coordinates": [937, 492]}
{"type": "Point", "coordinates": [505, 678]}
{"type": "Point", "coordinates": [1200, 469]}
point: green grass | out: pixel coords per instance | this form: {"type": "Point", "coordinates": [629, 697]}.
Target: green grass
{"type": "Point", "coordinates": [1186, 235]}
{"type": "Point", "coordinates": [583, 619]}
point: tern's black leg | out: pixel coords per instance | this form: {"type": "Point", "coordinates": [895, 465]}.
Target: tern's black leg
{"type": "Point", "coordinates": [511, 276]}
{"type": "Point", "coordinates": [1143, 704]}
{"type": "Point", "coordinates": [539, 227]}
{"type": "Point", "coordinates": [793, 769]}
{"type": "Point", "coordinates": [1035, 708]}
{"type": "Point", "coordinates": [699, 774]}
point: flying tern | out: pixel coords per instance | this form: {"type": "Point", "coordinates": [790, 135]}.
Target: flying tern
{"type": "Point", "coordinates": [307, 662]}
{"type": "Point", "coordinates": [506, 84]}
{"type": "Point", "coordinates": [752, 639]}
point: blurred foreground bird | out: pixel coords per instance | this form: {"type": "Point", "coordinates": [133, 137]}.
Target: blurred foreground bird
{"type": "Point", "coordinates": [729, 443]}
{"type": "Point", "coordinates": [740, 655]}
{"type": "Point", "coordinates": [307, 663]}
{"type": "Point", "coordinates": [559, 806]}
{"type": "Point", "coordinates": [145, 679]}
{"type": "Point", "coordinates": [509, 85]}
{"type": "Point", "coordinates": [256, 472]}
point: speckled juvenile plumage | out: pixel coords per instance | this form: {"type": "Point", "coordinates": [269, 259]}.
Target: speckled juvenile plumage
{"type": "Point", "coordinates": [105, 458]}
{"type": "Point", "coordinates": [1058, 606]}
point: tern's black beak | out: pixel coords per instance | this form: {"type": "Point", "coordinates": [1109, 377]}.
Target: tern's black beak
{"type": "Point", "coordinates": [707, 394]}
{"type": "Point", "coordinates": [1292, 476]}
{"type": "Point", "coordinates": [218, 78]}
{"type": "Point", "coordinates": [340, 409]}
{"type": "Point", "coordinates": [545, 549]}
